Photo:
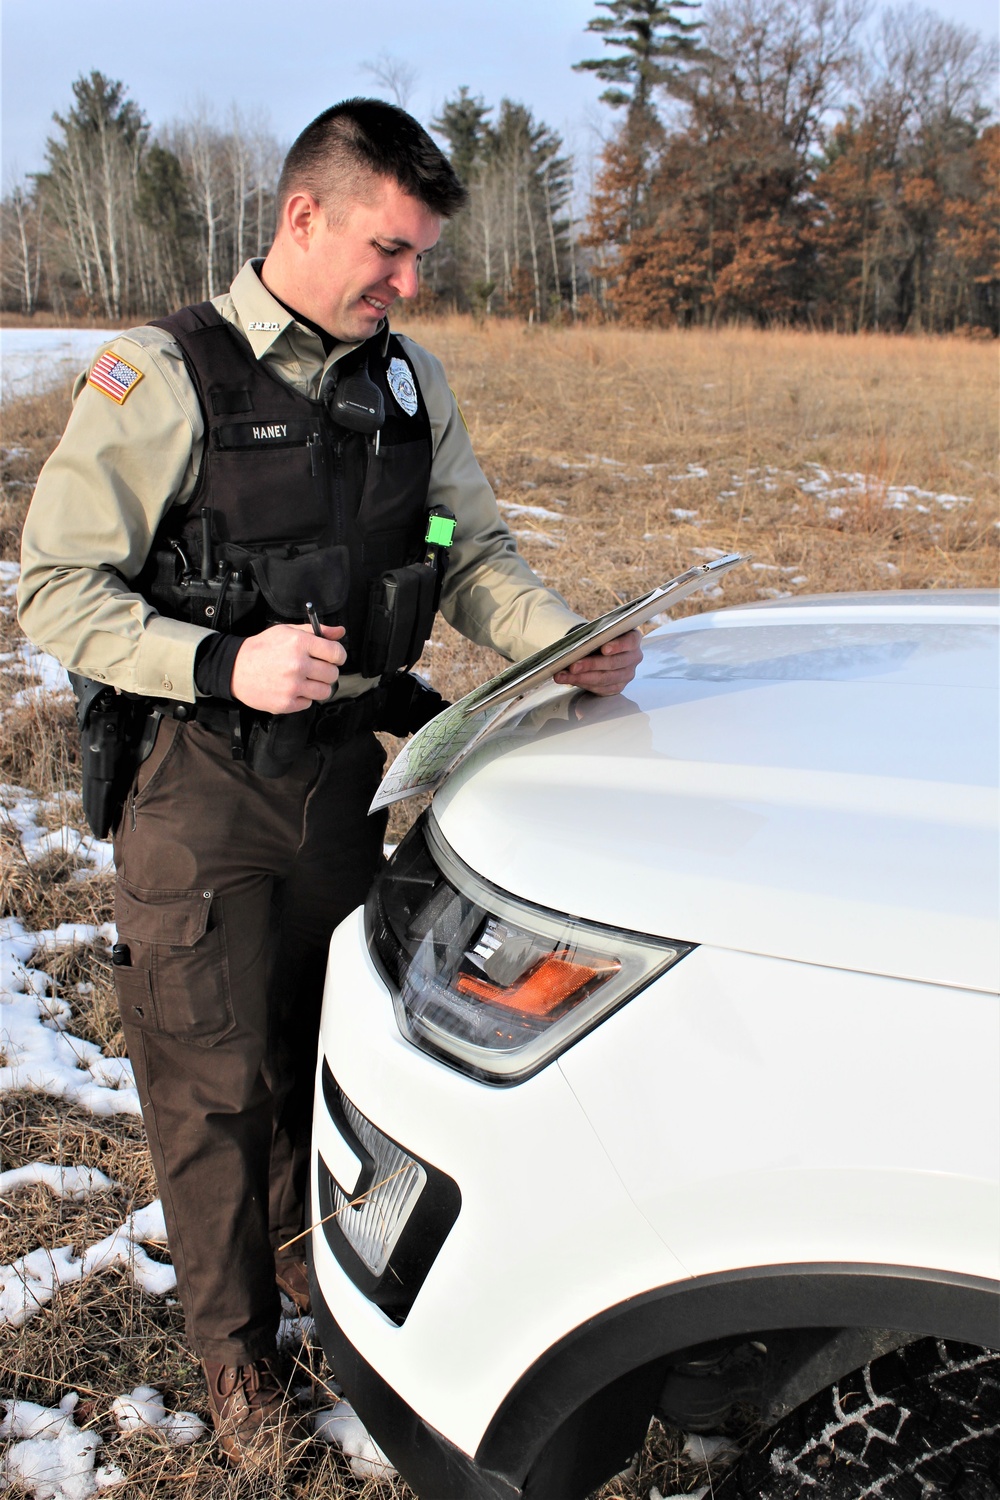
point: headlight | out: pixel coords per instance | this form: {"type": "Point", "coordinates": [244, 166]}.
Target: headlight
{"type": "Point", "coordinates": [489, 984]}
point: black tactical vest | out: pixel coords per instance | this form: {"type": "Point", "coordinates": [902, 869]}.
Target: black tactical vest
{"type": "Point", "coordinates": [289, 507]}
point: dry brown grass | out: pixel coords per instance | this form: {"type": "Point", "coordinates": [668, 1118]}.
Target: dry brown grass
{"type": "Point", "coordinates": [46, 319]}
{"type": "Point", "coordinates": [545, 408]}
{"type": "Point", "coordinates": [901, 412]}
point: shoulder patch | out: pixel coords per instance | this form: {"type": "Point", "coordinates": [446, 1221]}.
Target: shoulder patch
{"type": "Point", "coordinates": [115, 377]}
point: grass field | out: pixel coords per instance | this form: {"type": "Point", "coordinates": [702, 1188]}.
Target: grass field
{"type": "Point", "coordinates": [619, 458]}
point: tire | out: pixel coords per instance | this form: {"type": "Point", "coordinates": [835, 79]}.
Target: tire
{"type": "Point", "coordinates": [921, 1422]}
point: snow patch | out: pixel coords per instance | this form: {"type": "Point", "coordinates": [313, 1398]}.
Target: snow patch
{"type": "Point", "coordinates": [706, 1450]}
{"type": "Point", "coordinates": [50, 1456]}
{"type": "Point", "coordinates": [10, 572]}
{"type": "Point", "coordinates": [33, 359]}
{"type": "Point", "coordinates": [21, 810]}
{"type": "Point", "coordinates": [542, 538]}
{"type": "Point", "coordinates": [30, 1283]}
{"type": "Point", "coordinates": [538, 512]}
{"type": "Point", "coordinates": [144, 1408]}
{"type": "Point", "coordinates": [49, 674]}
{"type": "Point", "coordinates": [341, 1427]}
{"type": "Point", "coordinates": [37, 1052]}
{"type": "Point", "coordinates": [74, 1183]}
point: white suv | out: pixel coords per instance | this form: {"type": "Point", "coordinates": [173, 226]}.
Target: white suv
{"type": "Point", "coordinates": [662, 1069]}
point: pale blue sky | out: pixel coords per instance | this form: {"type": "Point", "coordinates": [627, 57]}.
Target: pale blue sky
{"type": "Point", "coordinates": [294, 57]}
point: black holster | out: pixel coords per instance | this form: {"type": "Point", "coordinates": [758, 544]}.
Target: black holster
{"type": "Point", "coordinates": [116, 734]}
{"type": "Point", "coordinates": [276, 741]}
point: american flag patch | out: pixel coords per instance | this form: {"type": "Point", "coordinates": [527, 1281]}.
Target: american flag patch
{"type": "Point", "coordinates": [114, 376]}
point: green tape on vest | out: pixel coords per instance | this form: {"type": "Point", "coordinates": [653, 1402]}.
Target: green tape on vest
{"type": "Point", "coordinates": [440, 531]}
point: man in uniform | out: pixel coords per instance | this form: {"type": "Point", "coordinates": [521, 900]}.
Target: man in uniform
{"type": "Point", "coordinates": [246, 526]}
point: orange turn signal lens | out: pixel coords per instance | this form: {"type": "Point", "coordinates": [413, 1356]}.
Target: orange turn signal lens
{"type": "Point", "coordinates": [542, 989]}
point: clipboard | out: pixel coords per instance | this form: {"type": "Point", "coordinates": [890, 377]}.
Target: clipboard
{"type": "Point", "coordinates": [593, 634]}
{"type": "Point", "coordinates": [435, 751]}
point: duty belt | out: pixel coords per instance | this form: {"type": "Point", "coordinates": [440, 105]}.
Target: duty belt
{"type": "Point", "coordinates": [400, 706]}
{"type": "Point", "coordinates": [332, 723]}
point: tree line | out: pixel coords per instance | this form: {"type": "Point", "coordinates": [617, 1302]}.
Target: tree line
{"type": "Point", "coordinates": [782, 161]}
{"type": "Point", "coordinates": [774, 161]}
{"type": "Point", "coordinates": [124, 222]}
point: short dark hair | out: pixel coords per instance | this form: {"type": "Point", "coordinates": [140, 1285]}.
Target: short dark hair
{"type": "Point", "coordinates": [346, 146]}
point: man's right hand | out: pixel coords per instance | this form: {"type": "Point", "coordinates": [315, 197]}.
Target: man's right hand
{"type": "Point", "coordinates": [286, 667]}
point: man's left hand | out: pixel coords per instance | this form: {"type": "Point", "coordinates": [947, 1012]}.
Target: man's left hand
{"type": "Point", "coordinates": [607, 670]}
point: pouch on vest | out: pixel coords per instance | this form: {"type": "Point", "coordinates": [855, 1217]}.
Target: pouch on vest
{"type": "Point", "coordinates": [400, 618]}
{"type": "Point", "coordinates": [320, 577]}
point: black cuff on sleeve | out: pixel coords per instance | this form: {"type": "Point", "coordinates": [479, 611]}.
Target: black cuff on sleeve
{"type": "Point", "coordinates": [213, 665]}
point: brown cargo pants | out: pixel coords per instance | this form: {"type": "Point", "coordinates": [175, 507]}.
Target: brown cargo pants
{"type": "Point", "coordinates": [228, 889]}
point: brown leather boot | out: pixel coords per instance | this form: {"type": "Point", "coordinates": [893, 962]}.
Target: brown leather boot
{"type": "Point", "coordinates": [292, 1277]}
{"type": "Point", "coordinates": [250, 1412]}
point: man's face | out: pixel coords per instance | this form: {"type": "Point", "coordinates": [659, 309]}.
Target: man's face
{"type": "Point", "coordinates": [354, 269]}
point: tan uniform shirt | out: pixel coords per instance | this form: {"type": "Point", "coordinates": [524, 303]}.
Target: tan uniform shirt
{"type": "Point", "coordinates": [120, 466]}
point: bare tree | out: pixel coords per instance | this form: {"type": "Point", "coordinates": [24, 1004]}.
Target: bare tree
{"type": "Point", "coordinates": [201, 148]}
{"type": "Point", "coordinates": [399, 78]}
{"type": "Point", "coordinates": [22, 218]}
{"type": "Point", "coordinates": [926, 89]}
{"type": "Point", "coordinates": [232, 173]}
{"type": "Point", "coordinates": [783, 61]}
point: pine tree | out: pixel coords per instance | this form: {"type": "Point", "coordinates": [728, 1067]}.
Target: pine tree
{"type": "Point", "coordinates": [509, 250]}
{"type": "Point", "coordinates": [90, 185]}
{"type": "Point", "coordinates": [462, 122]}
{"type": "Point", "coordinates": [658, 46]}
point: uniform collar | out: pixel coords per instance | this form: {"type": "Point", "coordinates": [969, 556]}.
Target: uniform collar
{"type": "Point", "coordinates": [264, 319]}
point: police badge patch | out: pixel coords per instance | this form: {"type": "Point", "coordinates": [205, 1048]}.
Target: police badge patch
{"type": "Point", "coordinates": [403, 386]}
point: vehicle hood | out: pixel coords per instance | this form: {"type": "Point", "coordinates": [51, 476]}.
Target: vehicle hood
{"type": "Point", "coordinates": [816, 782]}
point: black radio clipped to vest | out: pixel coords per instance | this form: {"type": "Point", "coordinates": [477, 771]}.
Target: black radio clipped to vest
{"type": "Point", "coordinates": [210, 591]}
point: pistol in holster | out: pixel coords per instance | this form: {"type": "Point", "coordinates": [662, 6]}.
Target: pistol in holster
{"type": "Point", "coordinates": [117, 731]}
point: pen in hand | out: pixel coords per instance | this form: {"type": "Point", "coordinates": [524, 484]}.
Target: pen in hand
{"type": "Point", "coordinates": [312, 614]}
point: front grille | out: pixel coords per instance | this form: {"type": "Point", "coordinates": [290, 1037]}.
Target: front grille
{"type": "Point", "coordinates": [387, 1233]}
{"type": "Point", "coordinates": [374, 1216]}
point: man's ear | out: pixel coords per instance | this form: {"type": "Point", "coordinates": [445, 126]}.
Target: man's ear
{"type": "Point", "coordinates": [300, 216]}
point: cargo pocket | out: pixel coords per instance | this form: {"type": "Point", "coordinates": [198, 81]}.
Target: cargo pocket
{"type": "Point", "coordinates": [177, 983]}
